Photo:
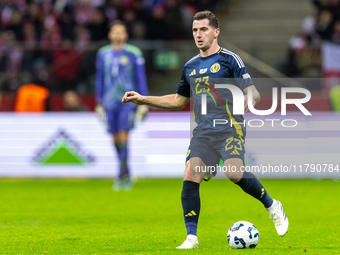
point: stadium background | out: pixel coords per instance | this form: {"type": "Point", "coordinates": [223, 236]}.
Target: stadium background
{"type": "Point", "coordinates": [283, 43]}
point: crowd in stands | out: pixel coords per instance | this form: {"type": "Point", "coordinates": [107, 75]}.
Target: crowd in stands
{"type": "Point", "coordinates": [304, 50]}
{"type": "Point", "coordinates": [48, 39]}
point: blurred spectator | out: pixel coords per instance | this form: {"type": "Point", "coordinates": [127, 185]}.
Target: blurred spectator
{"type": "Point", "coordinates": [138, 31]}
{"type": "Point", "coordinates": [13, 60]}
{"type": "Point", "coordinates": [67, 23]}
{"type": "Point", "coordinates": [31, 98]}
{"type": "Point", "coordinates": [16, 24]}
{"type": "Point", "coordinates": [84, 11]}
{"type": "Point", "coordinates": [72, 102]}
{"type": "Point", "coordinates": [50, 39]}
{"type": "Point", "coordinates": [98, 27]}
{"type": "Point", "coordinates": [324, 25]}
{"type": "Point", "coordinates": [129, 18]}
{"type": "Point", "coordinates": [141, 13]}
{"type": "Point", "coordinates": [114, 10]}
{"type": "Point", "coordinates": [82, 37]}
{"type": "Point", "coordinates": [30, 38]}
{"type": "Point", "coordinates": [35, 16]}
{"type": "Point", "coordinates": [3, 50]}
{"type": "Point", "coordinates": [160, 28]}
{"type": "Point", "coordinates": [328, 14]}
{"type": "Point", "coordinates": [336, 32]}
{"type": "Point", "coordinates": [30, 45]}
{"type": "Point", "coordinates": [65, 66]}
{"type": "Point", "coordinates": [173, 18]}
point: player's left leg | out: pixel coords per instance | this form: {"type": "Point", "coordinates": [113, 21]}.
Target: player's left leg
{"type": "Point", "coordinates": [125, 121]}
{"type": "Point", "coordinates": [247, 181]}
{"type": "Point", "coordinates": [252, 186]}
{"type": "Point", "coordinates": [121, 143]}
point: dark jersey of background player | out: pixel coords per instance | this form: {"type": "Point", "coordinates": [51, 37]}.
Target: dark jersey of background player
{"type": "Point", "coordinates": [223, 67]}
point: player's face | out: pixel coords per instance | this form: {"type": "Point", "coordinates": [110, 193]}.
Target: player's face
{"type": "Point", "coordinates": [118, 34]}
{"type": "Point", "coordinates": [204, 34]}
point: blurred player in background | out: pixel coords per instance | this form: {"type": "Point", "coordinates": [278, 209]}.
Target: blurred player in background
{"type": "Point", "coordinates": [120, 68]}
{"type": "Point", "coordinates": [209, 142]}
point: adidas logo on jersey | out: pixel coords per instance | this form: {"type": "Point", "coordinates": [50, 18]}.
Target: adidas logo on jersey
{"type": "Point", "coordinates": [193, 72]}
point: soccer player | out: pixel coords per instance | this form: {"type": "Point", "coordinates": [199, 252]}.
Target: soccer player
{"type": "Point", "coordinates": [211, 142]}
{"type": "Point", "coordinates": [120, 68]}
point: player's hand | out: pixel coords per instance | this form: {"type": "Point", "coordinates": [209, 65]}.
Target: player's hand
{"type": "Point", "coordinates": [246, 108]}
{"type": "Point", "coordinates": [133, 97]}
{"type": "Point", "coordinates": [100, 112]}
{"type": "Point", "coordinates": [142, 111]}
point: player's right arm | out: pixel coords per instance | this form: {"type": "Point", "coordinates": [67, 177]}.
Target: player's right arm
{"type": "Point", "coordinates": [99, 78]}
{"type": "Point", "coordinates": [99, 87]}
{"type": "Point", "coordinates": [173, 101]}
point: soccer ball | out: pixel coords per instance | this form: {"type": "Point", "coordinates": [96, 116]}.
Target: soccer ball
{"type": "Point", "coordinates": [242, 235]}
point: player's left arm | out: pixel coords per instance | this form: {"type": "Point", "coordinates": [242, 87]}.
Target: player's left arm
{"type": "Point", "coordinates": [255, 96]}
{"type": "Point", "coordinates": [244, 81]}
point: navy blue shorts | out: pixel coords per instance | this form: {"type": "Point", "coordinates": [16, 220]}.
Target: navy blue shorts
{"type": "Point", "coordinates": [232, 146]}
{"type": "Point", "coordinates": [121, 118]}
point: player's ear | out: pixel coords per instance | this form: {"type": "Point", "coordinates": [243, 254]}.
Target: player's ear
{"type": "Point", "coordinates": [217, 32]}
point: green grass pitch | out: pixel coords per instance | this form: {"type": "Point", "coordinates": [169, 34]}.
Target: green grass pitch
{"type": "Point", "coordinates": [84, 216]}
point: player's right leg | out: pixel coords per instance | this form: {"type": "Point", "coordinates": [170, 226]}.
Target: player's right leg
{"type": "Point", "coordinates": [191, 203]}
{"type": "Point", "coordinates": [200, 155]}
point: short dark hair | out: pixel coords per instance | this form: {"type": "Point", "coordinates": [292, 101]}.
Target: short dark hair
{"type": "Point", "coordinates": [118, 22]}
{"type": "Point", "coordinates": [213, 21]}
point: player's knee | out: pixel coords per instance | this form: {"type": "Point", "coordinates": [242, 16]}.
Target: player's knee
{"type": "Point", "coordinates": [234, 176]}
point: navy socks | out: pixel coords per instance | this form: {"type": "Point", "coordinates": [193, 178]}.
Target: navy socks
{"type": "Point", "coordinates": [252, 186]}
{"type": "Point", "coordinates": [191, 206]}
{"type": "Point", "coordinates": [191, 199]}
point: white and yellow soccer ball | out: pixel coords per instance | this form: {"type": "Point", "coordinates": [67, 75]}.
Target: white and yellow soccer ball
{"type": "Point", "coordinates": [243, 235]}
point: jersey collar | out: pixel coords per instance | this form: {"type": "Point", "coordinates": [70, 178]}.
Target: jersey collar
{"type": "Point", "coordinates": [212, 55]}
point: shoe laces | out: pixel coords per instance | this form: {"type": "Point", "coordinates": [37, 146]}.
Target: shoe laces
{"type": "Point", "coordinates": [275, 215]}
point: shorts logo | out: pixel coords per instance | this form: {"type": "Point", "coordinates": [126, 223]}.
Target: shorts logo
{"type": "Point", "coordinates": [246, 76]}
{"type": "Point", "coordinates": [124, 60]}
{"type": "Point", "coordinates": [188, 153]}
{"type": "Point", "coordinates": [202, 71]}
{"type": "Point", "coordinates": [215, 68]}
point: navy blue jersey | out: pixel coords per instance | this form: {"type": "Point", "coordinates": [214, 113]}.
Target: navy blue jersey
{"type": "Point", "coordinates": [199, 76]}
